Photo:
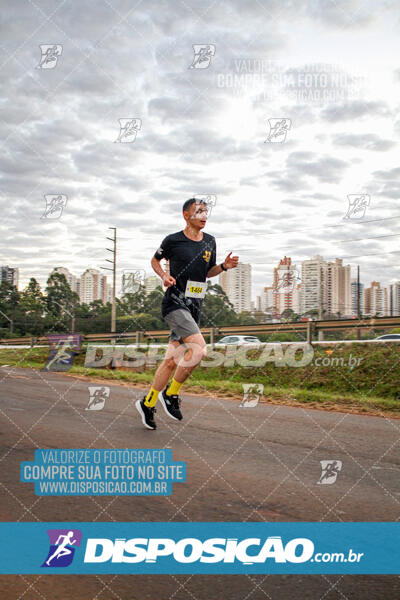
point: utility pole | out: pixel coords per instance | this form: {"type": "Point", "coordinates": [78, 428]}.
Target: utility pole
{"type": "Point", "coordinates": [113, 250]}
{"type": "Point", "coordinates": [358, 302]}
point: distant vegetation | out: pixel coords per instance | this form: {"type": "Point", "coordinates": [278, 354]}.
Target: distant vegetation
{"type": "Point", "coordinates": [34, 312]}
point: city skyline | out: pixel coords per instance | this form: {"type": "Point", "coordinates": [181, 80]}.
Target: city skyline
{"type": "Point", "coordinates": [337, 298]}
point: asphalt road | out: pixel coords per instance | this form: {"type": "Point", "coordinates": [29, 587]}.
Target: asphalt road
{"type": "Point", "coordinates": [255, 464]}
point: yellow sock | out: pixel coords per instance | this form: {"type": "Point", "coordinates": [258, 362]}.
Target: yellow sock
{"type": "Point", "coordinates": [151, 397]}
{"type": "Point", "coordinates": [174, 387]}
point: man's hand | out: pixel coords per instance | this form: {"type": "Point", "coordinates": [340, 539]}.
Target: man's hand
{"type": "Point", "coordinates": [231, 261]}
{"type": "Point", "coordinates": [168, 280]}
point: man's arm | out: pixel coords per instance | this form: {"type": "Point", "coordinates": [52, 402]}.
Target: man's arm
{"type": "Point", "coordinates": [215, 270]}
{"type": "Point", "coordinates": [229, 263]}
{"type": "Point", "coordinates": [166, 279]}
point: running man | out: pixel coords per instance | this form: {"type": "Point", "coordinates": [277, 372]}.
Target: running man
{"type": "Point", "coordinates": [62, 549]}
{"type": "Point", "coordinates": [192, 256]}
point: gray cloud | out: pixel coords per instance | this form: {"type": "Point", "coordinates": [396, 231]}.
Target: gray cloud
{"type": "Point", "coordinates": [59, 125]}
{"type": "Point", "coordinates": [368, 141]}
{"type": "Point", "coordinates": [353, 110]}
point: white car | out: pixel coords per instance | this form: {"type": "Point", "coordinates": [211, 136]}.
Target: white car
{"type": "Point", "coordinates": [239, 340]}
{"type": "Point", "coordinates": [390, 337]}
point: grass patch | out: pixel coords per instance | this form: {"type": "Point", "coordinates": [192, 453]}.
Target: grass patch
{"type": "Point", "coordinates": [371, 386]}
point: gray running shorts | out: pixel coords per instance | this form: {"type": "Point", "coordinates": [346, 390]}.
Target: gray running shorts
{"type": "Point", "coordinates": [181, 324]}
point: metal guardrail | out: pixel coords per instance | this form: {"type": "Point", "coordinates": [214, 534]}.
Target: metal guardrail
{"type": "Point", "coordinates": [310, 328]}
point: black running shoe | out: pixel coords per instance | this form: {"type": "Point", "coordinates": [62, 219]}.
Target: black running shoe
{"type": "Point", "coordinates": [147, 414]}
{"type": "Point", "coordinates": [171, 405]}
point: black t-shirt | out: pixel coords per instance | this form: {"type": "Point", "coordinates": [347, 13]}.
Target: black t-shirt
{"type": "Point", "coordinates": [187, 260]}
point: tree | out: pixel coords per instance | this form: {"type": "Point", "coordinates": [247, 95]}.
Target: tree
{"type": "Point", "coordinates": [289, 315]}
{"type": "Point", "coordinates": [31, 309]}
{"type": "Point", "coordinates": [153, 305]}
{"type": "Point", "coordinates": [246, 318]}
{"type": "Point", "coordinates": [61, 302]}
{"type": "Point", "coordinates": [9, 299]}
{"type": "Point", "coordinates": [132, 302]}
{"type": "Point", "coordinates": [259, 316]}
{"type": "Point", "coordinates": [217, 309]}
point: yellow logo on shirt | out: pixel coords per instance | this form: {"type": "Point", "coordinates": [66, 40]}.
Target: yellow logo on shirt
{"type": "Point", "coordinates": [207, 255]}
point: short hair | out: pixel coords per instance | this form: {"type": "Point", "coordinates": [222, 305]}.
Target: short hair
{"type": "Point", "coordinates": [190, 202]}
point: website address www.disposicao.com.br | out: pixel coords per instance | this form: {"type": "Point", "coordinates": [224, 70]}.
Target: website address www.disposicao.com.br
{"type": "Point", "coordinates": [212, 550]}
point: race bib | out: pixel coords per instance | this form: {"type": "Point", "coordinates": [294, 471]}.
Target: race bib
{"type": "Point", "coordinates": [195, 289]}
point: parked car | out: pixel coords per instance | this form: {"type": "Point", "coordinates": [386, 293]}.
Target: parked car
{"type": "Point", "coordinates": [389, 336]}
{"type": "Point", "coordinates": [239, 340]}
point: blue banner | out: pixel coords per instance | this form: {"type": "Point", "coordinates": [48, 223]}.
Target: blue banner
{"type": "Point", "coordinates": [208, 548]}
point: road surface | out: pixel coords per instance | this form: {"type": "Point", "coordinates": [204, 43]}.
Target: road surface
{"type": "Point", "coordinates": [243, 464]}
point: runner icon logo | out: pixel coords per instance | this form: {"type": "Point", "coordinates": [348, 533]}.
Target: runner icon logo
{"type": "Point", "coordinates": [128, 129]}
{"type": "Point", "coordinates": [97, 397]}
{"type": "Point", "coordinates": [55, 204]}
{"type": "Point", "coordinates": [358, 204]}
{"type": "Point", "coordinates": [203, 54]}
{"type": "Point", "coordinates": [251, 394]}
{"type": "Point", "coordinates": [62, 547]}
{"type": "Point", "coordinates": [278, 129]}
{"type": "Point", "coordinates": [330, 471]}
{"type": "Point", "coordinates": [50, 54]}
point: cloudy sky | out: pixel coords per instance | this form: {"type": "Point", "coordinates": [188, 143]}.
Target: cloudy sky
{"type": "Point", "coordinates": [330, 68]}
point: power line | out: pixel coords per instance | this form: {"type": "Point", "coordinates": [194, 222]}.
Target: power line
{"type": "Point", "coordinates": [340, 257]}
{"type": "Point", "coordinates": [351, 240]}
{"type": "Point", "coordinates": [368, 238]}
{"type": "Point", "coordinates": [378, 254]}
{"type": "Point", "coordinates": [353, 222]}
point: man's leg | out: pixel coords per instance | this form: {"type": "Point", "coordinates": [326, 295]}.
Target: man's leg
{"type": "Point", "coordinates": [191, 359]}
{"type": "Point", "coordinates": [163, 373]}
{"type": "Point", "coordinates": [187, 358]}
{"type": "Point", "coordinates": [146, 406]}
{"type": "Point", "coordinates": [185, 351]}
